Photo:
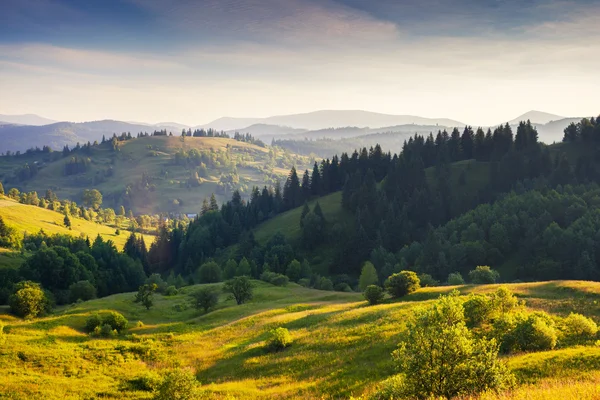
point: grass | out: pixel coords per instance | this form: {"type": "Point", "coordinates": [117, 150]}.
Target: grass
{"type": "Point", "coordinates": [154, 157]}
{"type": "Point", "coordinates": [341, 346]}
{"type": "Point", "coordinates": [30, 219]}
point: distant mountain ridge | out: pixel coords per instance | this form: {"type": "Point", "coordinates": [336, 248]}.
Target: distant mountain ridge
{"type": "Point", "coordinates": [536, 117]}
{"type": "Point", "coordinates": [331, 119]}
{"type": "Point", "coordinates": [26, 119]}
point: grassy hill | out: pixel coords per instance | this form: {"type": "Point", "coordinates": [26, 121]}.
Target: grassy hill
{"type": "Point", "coordinates": [165, 188]}
{"type": "Point", "coordinates": [341, 346]}
{"type": "Point", "coordinates": [31, 219]}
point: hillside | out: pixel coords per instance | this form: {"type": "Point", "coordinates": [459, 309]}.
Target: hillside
{"type": "Point", "coordinates": [26, 119]}
{"type": "Point", "coordinates": [148, 175]}
{"type": "Point", "coordinates": [58, 134]}
{"type": "Point", "coordinates": [31, 219]}
{"type": "Point", "coordinates": [341, 347]}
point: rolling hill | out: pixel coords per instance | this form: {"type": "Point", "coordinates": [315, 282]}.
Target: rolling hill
{"type": "Point", "coordinates": [341, 347]}
{"type": "Point", "coordinates": [536, 117]}
{"type": "Point", "coordinates": [31, 219]}
{"type": "Point", "coordinates": [26, 119]}
{"type": "Point", "coordinates": [146, 176]}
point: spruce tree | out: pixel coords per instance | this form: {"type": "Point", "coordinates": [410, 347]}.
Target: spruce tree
{"type": "Point", "coordinates": [214, 206]}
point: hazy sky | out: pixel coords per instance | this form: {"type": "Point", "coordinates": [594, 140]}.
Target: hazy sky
{"type": "Point", "coordinates": [478, 61]}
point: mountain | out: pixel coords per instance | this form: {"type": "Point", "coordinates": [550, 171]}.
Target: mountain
{"type": "Point", "coordinates": [554, 131]}
{"type": "Point", "coordinates": [57, 135]}
{"type": "Point", "coordinates": [265, 130]}
{"type": "Point", "coordinates": [26, 119]}
{"type": "Point", "coordinates": [330, 119]}
{"type": "Point", "coordinates": [536, 117]}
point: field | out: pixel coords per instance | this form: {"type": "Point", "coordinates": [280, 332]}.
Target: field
{"type": "Point", "coordinates": [153, 158]}
{"type": "Point", "coordinates": [31, 219]}
{"type": "Point", "coordinates": [341, 346]}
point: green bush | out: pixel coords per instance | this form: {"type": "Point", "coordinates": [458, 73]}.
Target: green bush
{"type": "Point", "coordinates": [280, 339]}
{"type": "Point", "coordinates": [342, 287]}
{"type": "Point", "coordinates": [92, 322]}
{"type": "Point", "coordinates": [536, 333]}
{"type": "Point", "coordinates": [428, 281]}
{"type": "Point", "coordinates": [240, 288]}
{"type": "Point", "coordinates": [148, 382]}
{"type": "Point", "coordinates": [29, 300]}
{"type": "Point", "coordinates": [205, 298]}
{"type": "Point", "coordinates": [178, 385]}
{"type": "Point", "coordinates": [578, 329]}
{"type": "Point", "coordinates": [117, 321]}
{"type": "Point", "coordinates": [82, 290]}
{"type": "Point", "coordinates": [304, 282]}
{"type": "Point", "coordinates": [455, 278]}
{"type": "Point", "coordinates": [107, 331]}
{"type": "Point", "coordinates": [483, 275]}
{"type": "Point", "coordinates": [170, 291]}
{"type": "Point", "coordinates": [402, 283]}
{"type": "Point", "coordinates": [274, 278]}
{"type": "Point", "coordinates": [478, 309]}
{"type": "Point", "coordinates": [161, 285]}
{"type": "Point", "coordinates": [209, 272]}
{"type": "Point", "coordinates": [324, 284]}
{"type": "Point", "coordinates": [437, 343]}
{"type": "Point", "coordinates": [374, 294]}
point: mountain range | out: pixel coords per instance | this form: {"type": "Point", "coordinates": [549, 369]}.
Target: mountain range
{"type": "Point", "coordinates": [20, 132]}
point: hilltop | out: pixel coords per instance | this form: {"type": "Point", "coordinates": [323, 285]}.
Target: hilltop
{"type": "Point", "coordinates": [341, 347]}
{"type": "Point", "coordinates": [32, 219]}
{"type": "Point", "coordinates": [158, 173]}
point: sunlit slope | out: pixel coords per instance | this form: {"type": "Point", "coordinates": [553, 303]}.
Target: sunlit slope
{"type": "Point", "coordinates": [30, 219]}
{"type": "Point", "coordinates": [341, 346]}
{"type": "Point", "coordinates": [153, 159]}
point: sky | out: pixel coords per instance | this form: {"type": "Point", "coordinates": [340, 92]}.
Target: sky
{"type": "Point", "coordinates": [477, 61]}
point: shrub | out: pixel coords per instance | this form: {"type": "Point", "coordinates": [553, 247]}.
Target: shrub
{"type": "Point", "coordinates": [455, 278]}
{"type": "Point", "coordinates": [116, 320]}
{"type": "Point", "coordinates": [209, 272]}
{"type": "Point", "coordinates": [82, 290]}
{"type": "Point", "coordinates": [107, 331]}
{"type": "Point", "coordinates": [280, 339]}
{"type": "Point", "coordinates": [374, 294]}
{"type": "Point", "coordinates": [535, 333]}
{"type": "Point", "coordinates": [504, 301]}
{"type": "Point", "coordinates": [438, 344]}
{"type": "Point", "coordinates": [577, 329]}
{"type": "Point", "coordinates": [240, 288]}
{"type": "Point", "coordinates": [368, 276]}
{"type": "Point", "coordinates": [178, 385]}
{"type": "Point", "coordinates": [483, 275]}
{"type": "Point", "coordinates": [304, 282]}
{"type": "Point", "coordinates": [294, 270]}
{"type": "Point", "coordinates": [148, 382]}
{"type": "Point", "coordinates": [92, 322]}
{"type": "Point", "coordinates": [324, 284]}
{"type": "Point", "coordinates": [145, 295]}
{"type": "Point", "coordinates": [274, 278]}
{"type": "Point", "coordinates": [342, 287]}
{"type": "Point", "coordinates": [170, 291]}
{"type": "Point", "coordinates": [478, 309]}
{"type": "Point", "coordinates": [28, 300]}
{"type": "Point", "coordinates": [428, 281]}
{"type": "Point", "coordinates": [205, 298]}
{"type": "Point", "coordinates": [156, 279]}
{"type": "Point", "coordinates": [402, 283]}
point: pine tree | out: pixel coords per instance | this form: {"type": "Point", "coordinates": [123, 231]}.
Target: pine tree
{"type": "Point", "coordinates": [292, 194]}
{"type": "Point", "coordinates": [305, 186]}
{"type": "Point", "coordinates": [305, 211]}
{"type": "Point", "coordinates": [315, 187]}
{"type": "Point", "coordinates": [1, 189]}
{"type": "Point", "coordinates": [214, 206]}
{"type": "Point", "coordinates": [205, 207]}
{"type": "Point", "coordinates": [67, 221]}
{"type": "Point", "coordinates": [318, 212]}
{"type": "Point", "coordinates": [121, 211]}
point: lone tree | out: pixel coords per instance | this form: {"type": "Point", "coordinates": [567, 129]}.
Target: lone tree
{"type": "Point", "coordinates": [240, 288]}
{"type": "Point", "coordinates": [145, 295]}
{"type": "Point", "coordinates": [402, 283]}
{"type": "Point", "coordinates": [67, 221]}
{"type": "Point", "coordinates": [368, 276]}
{"type": "Point", "coordinates": [28, 300]}
{"type": "Point", "coordinates": [483, 275]}
{"type": "Point", "coordinates": [440, 357]}
{"type": "Point", "coordinates": [205, 298]}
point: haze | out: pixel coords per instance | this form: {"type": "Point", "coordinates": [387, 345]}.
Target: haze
{"type": "Point", "coordinates": [482, 62]}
